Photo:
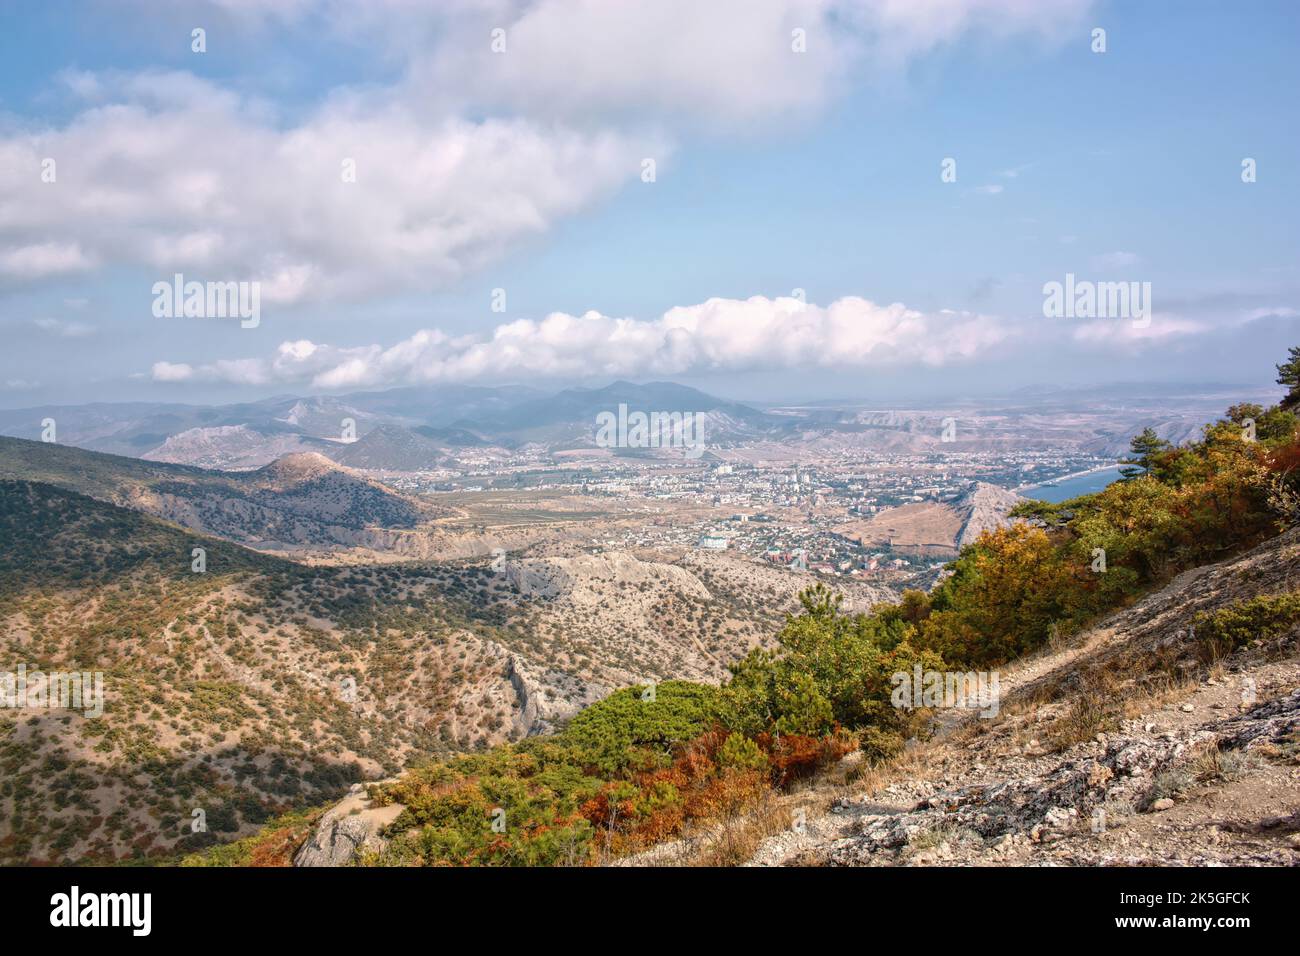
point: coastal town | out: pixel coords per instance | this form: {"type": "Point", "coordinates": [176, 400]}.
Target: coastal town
{"type": "Point", "coordinates": [815, 517]}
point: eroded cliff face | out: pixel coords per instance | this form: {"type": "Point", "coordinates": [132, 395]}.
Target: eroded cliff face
{"type": "Point", "coordinates": [546, 697]}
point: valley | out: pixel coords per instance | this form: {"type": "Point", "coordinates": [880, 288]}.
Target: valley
{"type": "Point", "coordinates": [426, 591]}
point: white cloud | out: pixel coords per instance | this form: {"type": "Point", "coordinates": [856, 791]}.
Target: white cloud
{"type": "Point", "coordinates": [724, 61]}
{"type": "Point", "coordinates": [1124, 333]}
{"type": "Point", "coordinates": [177, 175]}
{"type": "Point", "coordinates": [1169, 326]}
{"type": "Point", "coordinates": [463, 156]}
{"type": "Point", "coordinates": [720, 334]}
{"type": "Point", "coordinates": [172, 372]}
{"type": "Point", "coordinates": [729, 62]}
{"type": "Point", "coordinates": [43, 260]}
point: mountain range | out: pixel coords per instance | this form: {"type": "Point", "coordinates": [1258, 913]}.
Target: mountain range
{"type": "Point", "coordinates": [425, 429]}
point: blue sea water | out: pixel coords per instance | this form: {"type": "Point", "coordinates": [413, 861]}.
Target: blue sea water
{"type": "Point", "coordinates": [1073, 487]}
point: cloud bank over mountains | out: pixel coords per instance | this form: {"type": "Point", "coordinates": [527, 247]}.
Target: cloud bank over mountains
{"type": "Point", "coordinates": [718, 335]}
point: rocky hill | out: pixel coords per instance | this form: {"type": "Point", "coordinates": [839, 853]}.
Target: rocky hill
{"type": "Point", "coordinates": [233, 447]}
{"type": "Point", "coordinates": [256, 686]}
{"type": "Point", "coordinates": [938, 528]}
{"type": "Point", "coordinates": [302, 501]}
{"type": "Point", "coordinates": [242, 690]}
{"type": "Point", "coordinates": [392, 448]}
{"type": "Point", "coordinates": [983, 508]}
{"type": "Point", "coordinates": [1120, 747]}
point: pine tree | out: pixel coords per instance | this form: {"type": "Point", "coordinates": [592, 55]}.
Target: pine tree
{"type": "Point", "coordinates": [1288, 374]}
{"type": "Point", "coordinates": [804, 708]}
{"type": "Point", "coordinates": [1144, 448]}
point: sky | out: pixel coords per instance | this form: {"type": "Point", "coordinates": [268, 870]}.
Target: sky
{"type": "Point", "coordinates": [778, 200]}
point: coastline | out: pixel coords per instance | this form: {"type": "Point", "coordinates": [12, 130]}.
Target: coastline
{"type": "Point", "coordinates": [1069, 477]}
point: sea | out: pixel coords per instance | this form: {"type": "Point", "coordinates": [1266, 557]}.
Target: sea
{"type": "Point", "coordinates": [1073, 487]}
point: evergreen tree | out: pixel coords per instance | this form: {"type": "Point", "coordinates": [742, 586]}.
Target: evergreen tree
{"type": "Point", "coordinates": [1288, 374]}
{"type": "Point", "coordinates": [1144, 448]}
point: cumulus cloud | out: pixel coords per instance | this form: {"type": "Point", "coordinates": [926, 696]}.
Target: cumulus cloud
{"type": "Point", "coordinates": [1170, 326]}
{"type": "Point", "coordinates": [174, 174]}
{"type": "Point", "coordinates": [463, 155]}
{"type": "Point", "coordinates": [716, 335]}
{"type": "Point", "coordinates": [1113, 333]}
{"type": "Point", "coordinates": [729, 62]}
{"type": "Point", "coordinates": [172, 372]}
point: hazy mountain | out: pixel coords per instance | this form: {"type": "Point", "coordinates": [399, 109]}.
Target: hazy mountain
{"type": "Point", "coordinates": [584, 404]}
{"type": "Point", "coordinates": [234, 446]}
{"type": "Point", "coordinates": [421, 425]}
{"type": "Point", "coordinates": [452, 437]}
{"type": "Point", "coordinates": [444, 405]}
{"type": "Point", "coordinates": [251, 434]}
{"type": "Point", "coordinates": [302, 500]}
{"type": "Point", "coordinates": [392, 448]}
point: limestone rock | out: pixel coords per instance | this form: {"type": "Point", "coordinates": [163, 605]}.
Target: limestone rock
{"type": "Point", "coordinates": [349, 827]}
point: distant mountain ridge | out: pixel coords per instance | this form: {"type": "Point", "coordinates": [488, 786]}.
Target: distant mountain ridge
{"type": "Point", "coordinates": [393, 448]}
{"type": "Point", "coordinates": [435, 426]}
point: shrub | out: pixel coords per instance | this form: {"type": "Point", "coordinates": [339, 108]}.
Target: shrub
{"type": "Point", "coordinates": [740, 753]}
{"type": "Point", "coordinates": [632, 728]}
{"type": "Point", "coordinates": [1223, 631]}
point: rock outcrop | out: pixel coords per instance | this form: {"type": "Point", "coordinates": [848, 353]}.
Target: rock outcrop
{"type": "Point", "coordinates": [350, 827]}
{"type": "Point", "coordinates": [1100, 786]}
{"type": "Point", "coordinates": [547, 697]}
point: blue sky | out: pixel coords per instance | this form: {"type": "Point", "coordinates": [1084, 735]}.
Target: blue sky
{"type": "Point", "coordinates": [523, 172]}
